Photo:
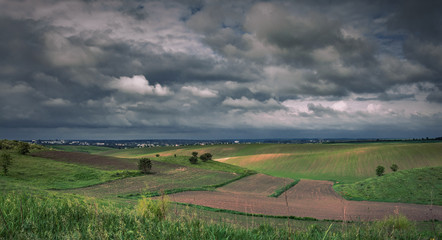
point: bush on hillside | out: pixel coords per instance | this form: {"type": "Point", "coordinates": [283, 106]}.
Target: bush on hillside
{"type": "Point", "coordinates": [5, 162]}
{"type": "Point", "coordinates": [205, 157]}
{"type": "Point", "coordinates": [145, 165]}
{"type": "Point", "coordinates": [151, 209]}
{"type": "Point", "coordinates": [23, 148]}
{"type": "Point", "coordinates": [380, 170]}
{"type": "Point", "coordinates": [193, 160]}
{"type": "Point", "coordinates": [7, 144]}
{"type": "Point", "coordinates": [394, 167]}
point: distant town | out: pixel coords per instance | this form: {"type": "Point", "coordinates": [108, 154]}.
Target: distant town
{"type": "Point", "coordinates": [184, 142]}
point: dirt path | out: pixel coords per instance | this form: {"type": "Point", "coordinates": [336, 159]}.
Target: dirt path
{"type": "Point", "coordinates": [309, 198]}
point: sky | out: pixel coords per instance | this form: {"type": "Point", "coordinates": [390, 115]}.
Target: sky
{"type": "Point", "coordinates": [220, 69]}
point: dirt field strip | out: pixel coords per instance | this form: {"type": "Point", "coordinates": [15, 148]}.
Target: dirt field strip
{"type": "Point", "coordinates": [258, 184]}
{"type": "Point", "coordinates": [309, 198]}
{"type": "Point", "coordinates": [101, 162]}
{"type": "Point", "coordinates": [222, 159]}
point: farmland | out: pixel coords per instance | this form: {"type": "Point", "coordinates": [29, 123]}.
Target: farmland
{"type": "Point", "coordinates": [339, 162]}
{"type": "Point", "coordinates": [43, 173]}
{"type": "Point", "coordinates": [419, 185]}
{"type": "Point", "coordinates": [234, 189]}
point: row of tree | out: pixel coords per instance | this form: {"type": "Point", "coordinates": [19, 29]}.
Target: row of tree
{"type": "Point", "coordinates": [204, 157]}
{"type": "Point", "coordinates": [381, 169]}
{"type": "Point", "coordinates": [145, 164]}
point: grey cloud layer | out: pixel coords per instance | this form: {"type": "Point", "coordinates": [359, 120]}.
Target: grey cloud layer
{"type": "Point", "coordinates": [207, 69]}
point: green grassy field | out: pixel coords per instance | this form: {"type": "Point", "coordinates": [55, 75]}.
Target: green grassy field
{"type": "Point", "coordinates": [76, 148]}
{"type": "Point", "coordinates": [173, 179]}
{"type": "Point", "coordinates": [89, 206]}
{"type": "Point", "coordinates": [25, 216]}
{"type": "Point", "coordinates": [340, 162]}
{"type": "Point", "coordinates": [343, 163]}
{"type": "Point", "coordinates": [42, 173]}
{"type": "Point", "coordinates": [209, 165]}
{"type": "Point", "coordinates": [420, 185]}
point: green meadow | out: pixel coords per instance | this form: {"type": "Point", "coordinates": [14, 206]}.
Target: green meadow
{"type": "Point", "coordinates": [339, 162]}
{"type": "Point", "coordinates": [79, 148]}
{"type": "Point", "coordinates": [41, 173]}
{"type": "Point", "coordinates": [43, 198]}
{"type": "Point", "coordinates": [50, 216]}
{"type": "Point", "coordinates": [419, 185]}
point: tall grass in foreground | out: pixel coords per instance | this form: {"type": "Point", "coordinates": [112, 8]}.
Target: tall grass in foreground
{"type": "Point", "coordinates": [24, 216]}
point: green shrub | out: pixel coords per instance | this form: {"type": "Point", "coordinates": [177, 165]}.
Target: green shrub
{"type": "Point", "coordinates": [394, 167]}
{"type": "Point", "coordinates": [395, 222]}
{"type": "Point", "coordinates": [206, 156]}
{"type": "Point", "coordinates": [5, 162]}
{"type": "Point", "coordinates": [193, 160]}
{"type": "Point", "coordinates": [153, 209]}
{"type": "Point", "coordinates": [23, 148]}
{"type": "Point", "coordinates": [380, 170]}
{"type": "Point", "coordinates": [145, 165]}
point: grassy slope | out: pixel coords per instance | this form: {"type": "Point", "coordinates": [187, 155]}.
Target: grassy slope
{"type": "Point", "coordinates": [209, 165]}
{"type": "Point", "coordinates": [35, 172]}
{"type": "Point", "coordinates": [346, 163]}
{"type": "Point", "coordinates": [85, 149]}
{"type": "Point", "coordinates": [166, 180]}
{"type": "Point", "coordinates": [169, 173]}
{"type": "Point", "coordinates": [340, 162]}
{"type": "Point", "coordinates": [179, 175]}
{"type": "Point", "coordinates": [77, 218]}
{"type": "Point", "coordinates": [59, 217]}
{"type": "Point", "coordinates": [420, 185]}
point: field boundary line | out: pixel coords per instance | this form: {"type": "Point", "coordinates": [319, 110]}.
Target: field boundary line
{"type": "Point", "coordinates": [178, 190]}
{"type": "Point", "coordinates": [222, 210]}
{"type": "Point", "coordinates": [283, 189]}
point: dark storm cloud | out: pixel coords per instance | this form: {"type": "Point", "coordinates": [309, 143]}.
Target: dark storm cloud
{"type": "Point", "coordinates": [422, 22]}
{"type": "Point", "coordinates": [181, 67]}
{"type": "Point", "coordinates": [422, 19]}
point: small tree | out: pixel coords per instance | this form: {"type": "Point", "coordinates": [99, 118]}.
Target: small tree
{"type": "Point", "coordinates": [380, 170]}
{"type": "Point", "coordinates": [205, 157]}
{"type": "Point", "coordinates": [23, 148]}
{"type": "Point", "coordinates": [145, 165]}
{"type": "Point", "coordinates": [194, 154]}
{"type": "Point", "coordinates": [5, 162]}
{"type": "Point", "coordinates": [193, 160]}
{"type": "Point", "coordinates": [394, 167]}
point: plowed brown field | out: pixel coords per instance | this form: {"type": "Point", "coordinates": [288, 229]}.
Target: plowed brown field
{"type": "Point", "coordinates": [309, 198]}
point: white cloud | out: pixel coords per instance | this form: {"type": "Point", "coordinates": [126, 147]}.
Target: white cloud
{"type": "Point", "coordinates": [19, 88]}
{"type": "Point", "coordinates": [400, 70]}
{"type": "Point", "coordinates": [339, 106]}
{"type": "Point", "coordinates": [57, 102]}
{"type": "Point", "coordinates": [138, 84]}
{"type": "Point", "coordinates": [201, 92]}
{"type": "Point", "coordinates": [374, 108]}
{"type": "Point", "coordinates": [61, 52]}
{"type": "Point", "coordinates": [244, 102]}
